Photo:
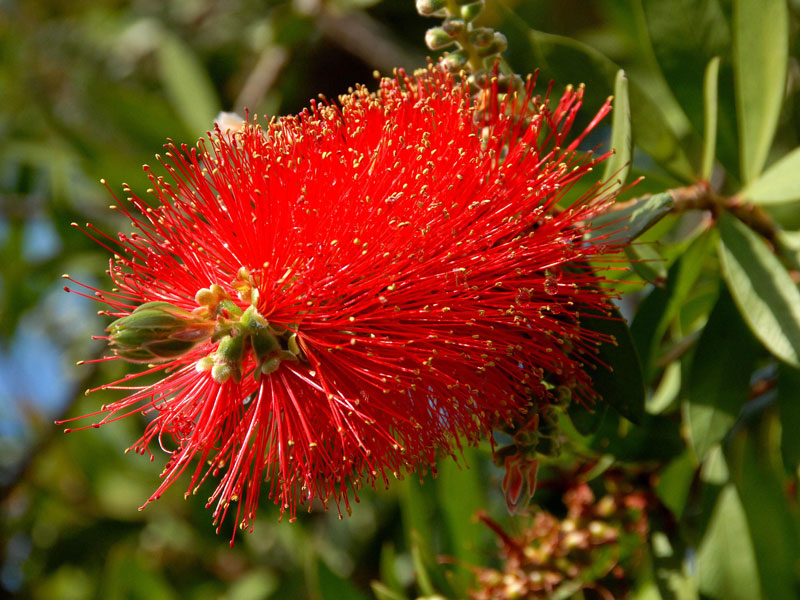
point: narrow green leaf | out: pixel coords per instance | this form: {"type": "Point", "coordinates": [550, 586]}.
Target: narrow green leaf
{"type": "Point", "coordinates": [647, 263]}
{"type": "Point", "coordinates": [626, 222]}
{"type": "Point", "coordinates": [621, 386]}
{"type": "Point", "coordinates": [675, 482]}
{"type": "Point", "coordinates": [586, 421]}
{"type": "Point", "coordinates": [657, 438]}
{"type": "Point", "coordinates": [619, 165]}
{"type": "Point", "coordinates": [789, 403]}
{"type": "Point", "coordinates": [387, 568]}
{"type": "Point", "coordinates": [672, 576]}
{"type": "Point", "coordinates": [767, 297]}
{"type": "Point", "coordinates": [421, 566]}
{"type": "Point", "coordinates": [187, 84]}
{"type": "Point", "coordinates": [771, 523]}
{"type": "Point", "coordinates": [667, 391]}
{"type": "Point", "coordinates": [726, 565]}
{"type": "Point", "coordinates": [383, 592]}
{"type": "Point", "coordinates": [719, 376]}
{"type": "Point", "coordinates": [788, 243]}
{"type": "Point", "coordinates": [710, 112]}
{"type": "Point", "coordinates": [778, 184]}
{"type": "Point", "coordinates": [417, 508]}
{"type": "Point", "coordinates": [333, 587]}
{"type": "Point", "coordinates": [685, 35]}
{"type": "Point", "coordinates": [461, 494]}
{"type": "Point", "coordinates": [761, 44]}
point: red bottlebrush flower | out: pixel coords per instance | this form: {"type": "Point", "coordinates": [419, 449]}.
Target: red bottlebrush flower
{"type": "Point", "coordinates": [342, 295]}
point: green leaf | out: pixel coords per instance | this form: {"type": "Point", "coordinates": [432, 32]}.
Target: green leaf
{"type": "Point", "coordinates": [667, 391]}
{"type": "Point", "coordinates": [420, 521]}
{"type": "Point", "coordinates": [586, 421]}
{"type": "Point", "coordinates": [333, 587]}
{"type": "Point", "coordinates": [621, 386]}
{"type": "Point", "coordinates": [569, 61]}
{"type": "Point", "coordinates": [421, 562]}
{"type": "Point", "coordinates": [685, 35]}
{"type": "Point", "coordinates": [761, 44]}
{"type": "Point", "coordinates": [460, 491]}
{"type": "Point", "coordinates": [619, 165]}
{"type": "Point", "coordinates": [128, 576]}
{"type": "Point", "coordinates": [788, 243]}
{"type": "Point", "coordinates": [675, 482]}
{"type": "Point", "coordinates": [187, 84]}
{"type": "Point", "coordinates": [627, 221]}
{"type": "Point", "coordinates": [771, 523]}
{"type": "Point", "coordinates": [383, 592]}
{"type": "Point", "coordinates": [789, 403]}
{"type": "Point", "coordinates": [658, 438]}
{"type": "Point", "coordinates": [647, 263]}
{"type": "Point", "coordinates": [719, 378]}
{"type": "Point", "coordinates": [726, 565]}
{"type": "Point", "coordinates": [256, 584]}
{"type": "Point", "coordinates": [711, 113]}
{"type": "Point", "coordinates": [388, 572]}
{"type": "Point", "coordinates": [672, 574]}
{"type": "Point", "coordinates": [778, 184]}
{"type": "Point", "coordinates": [417, 506]}
{"type": "Point", "coordinates": [767, 297]}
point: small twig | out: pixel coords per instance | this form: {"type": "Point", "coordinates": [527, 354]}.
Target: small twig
{"type": "Point", "coordinates": [700, 196]}
{"type": "Point", "coordinates": [261, 78]}
{"type": "Point", "coordinates": [366, 38]}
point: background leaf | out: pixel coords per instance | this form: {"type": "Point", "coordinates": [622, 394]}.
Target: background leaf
{"type": "Point", "coordinates": [685, 36]}
{"type": "Point", "coordinates": [719, 379]}
{"type": "Point", "coordinates": [761, 40]}
{"type": "Point", "coordinates": [773, 525]}
{"type": "Point", "coordinates": [187, 85]}
{"type": "Point", "coordinates": [568, 61]}
{"type": "Point", "coordinates": [711, 117]}
{"type": "Point", "coordinates": [767, 297]}
{"type": "Point", "coordinates": [726, 566]}
{"type": "Point", "coordinates": [778, 184]}
{"type": "Point", "coordinates": [621, 386]}
{"type": "Point", "coordinates": [624, 223]}
{"type": "Point", "coordinates": [619, 165]}
{"type": "Point", "coordinates": [789, 404]}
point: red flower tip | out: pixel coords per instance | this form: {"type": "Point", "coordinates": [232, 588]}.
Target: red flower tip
{"type": "Point", "coordinates": [376, 282]}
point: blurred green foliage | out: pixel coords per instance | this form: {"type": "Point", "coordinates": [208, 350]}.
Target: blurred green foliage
{"type": "Point", "coordinates": [91, 90]}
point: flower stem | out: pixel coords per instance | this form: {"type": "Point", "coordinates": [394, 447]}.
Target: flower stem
{"type": "Point", "coordinates": [700, 196]}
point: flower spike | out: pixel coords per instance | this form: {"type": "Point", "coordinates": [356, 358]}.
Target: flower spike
{"type": "Point", "coordinates": [342, 296]}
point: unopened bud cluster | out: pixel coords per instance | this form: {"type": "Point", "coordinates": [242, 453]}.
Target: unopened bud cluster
{"type": "Point", "coordinates": [534, 434]}
{"type": "Point", "coordinates": [475, 49]}
{"type": "Point", "coordinates": [160, 331]}
{"type": "Point", "coordinates": [157, 332]}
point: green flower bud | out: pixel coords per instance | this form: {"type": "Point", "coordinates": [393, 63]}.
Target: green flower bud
{"type": "Point", "coordinates": [470, 12]}
{"type": "Point", "coordinates": [437, 38]}
{"type": "Point", "coordinates": [431, 8]}
{"type": "Point", "coordinates": [455, 61]}
{"type": "Point", "coordinates": [157, 332]}
{"type": "Point", "coordinates": [454, 27]}
{"type": "Point", "coordinates": [481, 36]}
{"type": "Point", "coordinates": [498, 45]}
{"type": "Point", "coordinates": [228, 359]}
